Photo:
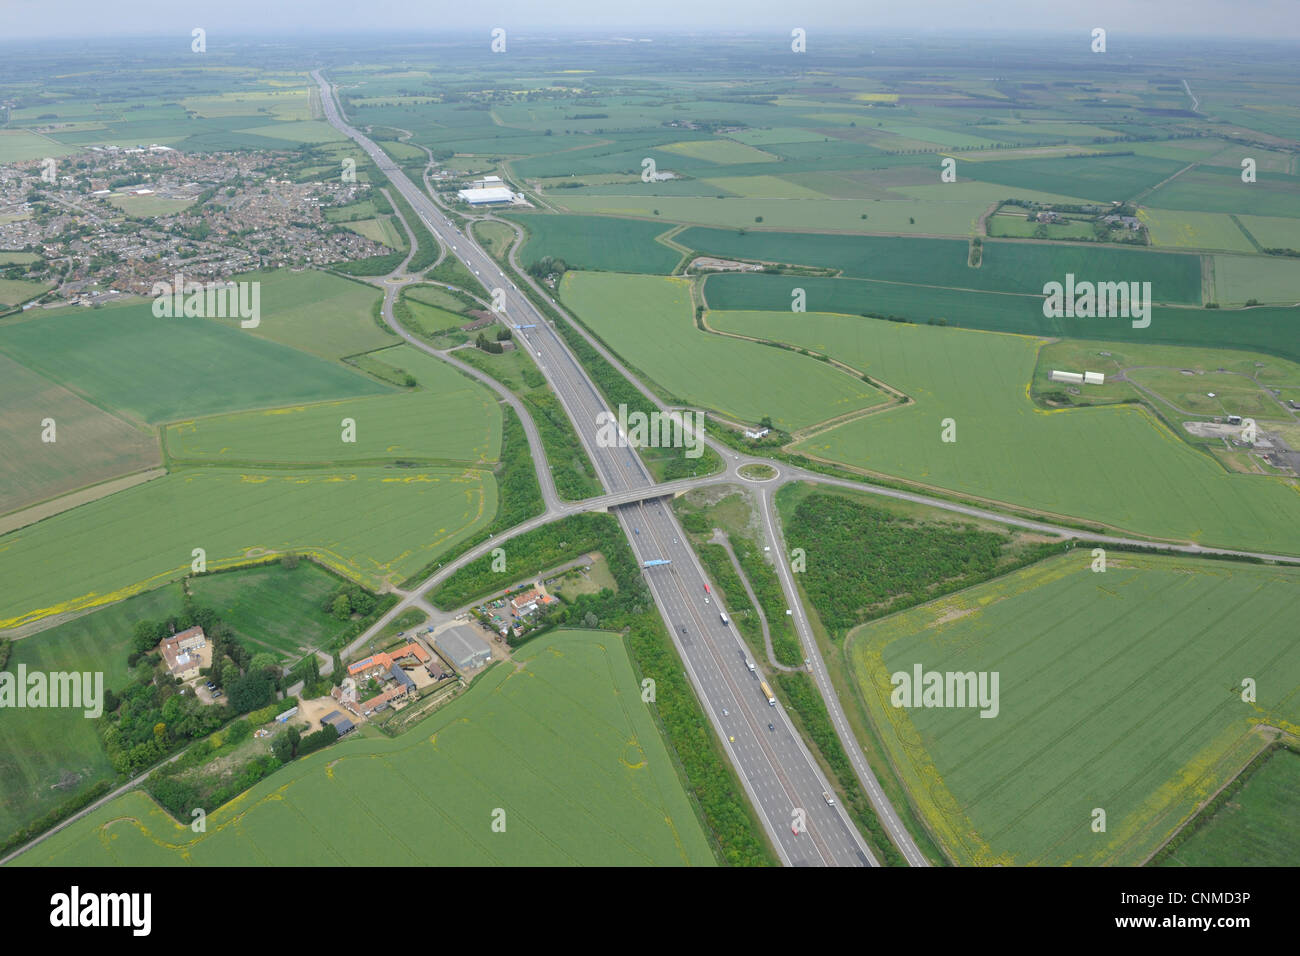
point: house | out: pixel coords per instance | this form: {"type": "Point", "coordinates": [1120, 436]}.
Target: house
{"type": "Point", "coordinates": [183, 653]}
{"type": "Point", "coordinates": [382, 662]}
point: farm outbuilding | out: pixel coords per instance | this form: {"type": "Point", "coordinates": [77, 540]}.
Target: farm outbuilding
{"type": "Point", "coordinates": [463, 647]}
{"type": "Point", "coordinates": [1074, 377]}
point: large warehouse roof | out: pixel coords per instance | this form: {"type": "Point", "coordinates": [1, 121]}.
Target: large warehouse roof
{"type": "Point", "coordinates": [489, 195]}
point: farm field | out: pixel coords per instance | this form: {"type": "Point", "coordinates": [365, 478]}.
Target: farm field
{"type": "Point", "coordinates": [447, 417]}
{"type": "Point", "coordinates": [1266, 330]}
{"type": "Point", "coordinates": [17, 145]}
{"type": "Point", "coordinates": [1071, 462]}
{"type": "Point", "coordinates": [380, 230]}
{"type": "Point", "coordinates": [1194, 230]}
{"type": "Point", "coordinates": [1266, 279]}
{"type": "Point", "coordinates": [519, 740]}
{"type": "Point", "coordinates": [50, 755]}
{"type": "Point", "coordinates": [1096, 178]}
{"type": "Point", "coordinates": [1220, 189]}
{"type": "Point", "coordinates": [110, 356]}
{"type": "Point", "coordinates": [1005, 266]}
{"type": "Point", "coordinates": [596, 243]}
{"type": "Point", "coordinates": [317, 312]}
{"type": "Point", "coordinates": [90, 444]}
{"type": "Point", "coordinates": [722, 151]}
{"type": "Point", "coordinates": [1256, 827]}
{"type": "Point", "coordinates": [763, 187]}
{"type": "Point", "coordinates": [1118, 691]}
{"type": "Point", "coordinates": [17, 291]}
{"type": "Point", "coordinates": [648, 321]}
{"type": "Point", "coordinates": [1015, 226]}
{"type": "Point", "coordinates": [369, 524]}
{"type": "Point", "coordinates": [902, 215]}
{"type": "Point", "coordinates": [1272, 232]}
{"type": "Point", "coordinates": [272, 608]}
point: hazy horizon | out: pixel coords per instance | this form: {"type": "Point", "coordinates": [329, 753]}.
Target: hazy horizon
{"type": "Point", "coordinates": [1277, 20]}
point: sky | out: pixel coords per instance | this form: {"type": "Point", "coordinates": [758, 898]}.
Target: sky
{"type": "Point", "coordinates": [1274, 19]}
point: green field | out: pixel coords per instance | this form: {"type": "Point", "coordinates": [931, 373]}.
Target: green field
{"type": "Point", "coordinates": [50, 755]}
{"type": "Point", "coordinates": [370, 524]}
{"type": "Point", "coordinates": [448, 417]}
{"type": "Point", "coordinates": [90, 445]}
{"type": "Point", "coordinates": [1256, 827]}
{"type": "Point", "coordinates": [1265, 279]}
{"type": "Point", "coordinates": [520, 740]}
{"type": "Point", "coordinates": [1116, 465]}
{"type": "Point", "coordinates": [596, 243]}
{"type": "Point", "coordinates": [381, 230]}
{"type": "Point", "coordinates": [317, 312]}
{"type": "Point", "coordinates": [720, 151]}
{"type": "Point", "coordinates": [1269, 330]}
{"type": "Point", "coordinates": [647, 320]}
{"type": "Point", "coordinates": [1273, 233]}
{"type": "Point", "coordinates": [17, 145]}
{"type": "Point", "coordinates": [1005, 266]}
{"type": "Point", "coordinates": [1016, 226]}
{"type": "Point", "coordinates": [903, 216]}
{"type": "Point", "coordinates": [1119, 691]}
{"type": "Point", "coordinates": [1220, 189]}
{"type": "Point", "coordinates": [156, 370]}
{"type": "Point", "coordinates": [18, 291]}
{"type": "Point", "coordinates": [272, 608]}
{"type": "Point", "coordinates": [1098, 178]}
{"type": "Point", "coordinates": [1194, 230]}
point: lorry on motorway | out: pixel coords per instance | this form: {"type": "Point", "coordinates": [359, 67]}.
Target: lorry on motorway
{"type": "Point", "coordinates": [767, 692]}
{"type": "Point", "coordinates": [723, 615]}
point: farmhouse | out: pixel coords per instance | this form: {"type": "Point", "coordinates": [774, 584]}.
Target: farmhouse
{"type": "Point", "coordinates": [182, 653]}
{"type": "Point", "coordinates": [529, 601]}
{"type": "Point", "coordinates": [384, 661]}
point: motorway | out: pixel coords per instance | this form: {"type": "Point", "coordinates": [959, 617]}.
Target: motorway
{"type": "Point", "coordinates": [781, 777]}
{"type": "Point", "coordinates": [777, 770]}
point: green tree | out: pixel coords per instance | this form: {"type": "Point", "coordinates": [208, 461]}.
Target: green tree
{"type": "Point", "coordinates": [342, 607]}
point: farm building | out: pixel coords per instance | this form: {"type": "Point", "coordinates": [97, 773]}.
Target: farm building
{"type": "Point", "coordinates": [340, 723]}
{"type": "Point", "coordinates": [1078, 378]}
{"type": "Point", "coordinates": [463, 647]}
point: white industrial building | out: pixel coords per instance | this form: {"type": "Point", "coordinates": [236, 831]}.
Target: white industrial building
{"type": "Point", "coordinates": [1078, 378]}
{"type": "Point", "coordinates": [487, 196]}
